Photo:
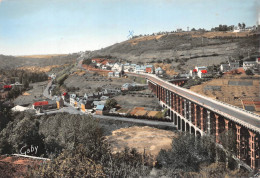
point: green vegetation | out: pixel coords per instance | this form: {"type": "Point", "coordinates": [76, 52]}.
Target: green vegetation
{"type": "Point", "coordinates": [196, 81]}
{"type": "Point", "coordinates": [190, 155]}
{"type": "Point", "coordinates": [249, 72]}
{"type": "Point", "coordinates": [60, 80]}
{"type": "Point", "coordinates": [77, 148]}
{"type": "Point", "coordinates": [110, 103]}
{"type": "Point", "coordinates": [139, 80]}
{"type": "Point", "coordinates": [87, 61]}
{"type": "Point", "coordinates": [24, 77]}
{"type": "Point", "coordinates": [76, 145]}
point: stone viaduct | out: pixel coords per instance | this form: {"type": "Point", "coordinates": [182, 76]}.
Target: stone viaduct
{"type": "Point", "coordinates": [200, 115]}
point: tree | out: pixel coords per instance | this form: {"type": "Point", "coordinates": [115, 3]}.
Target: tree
{"type": "Point", "coordinates": [187, 153]}
{"type": "Point", "coordinates": [70, 164]}
{"type": "Point", "coordinates": [5, 115]}
{"type": "Point", "coordinates": [110, 103]}
{"type": "Point", "coordinates": [193, 29]}
{"type": "Point", "coordinates": [249, 72]}
{"type": "Point", "coordinates": [243, 25]}
{"type": "Point", "coordinates": [87, 61]}
{"type": "Point", "coordinates": [239, 25]}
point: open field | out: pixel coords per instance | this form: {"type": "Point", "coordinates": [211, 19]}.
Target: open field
{"type": "Point", "coordinates": [144, 139]}
{"type": "Point", "coordinates": [231, 89]}
{"type": "Point", "coordinates": [138, 99]}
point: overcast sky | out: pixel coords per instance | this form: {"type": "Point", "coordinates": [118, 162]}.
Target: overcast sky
{"type": "Point", "coordinates": [66, 26]}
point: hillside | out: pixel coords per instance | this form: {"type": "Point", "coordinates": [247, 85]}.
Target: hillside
{"type": "Point", "coordinates": [192, 48]}
{"type": "Point", "coordinates": [8, 62]}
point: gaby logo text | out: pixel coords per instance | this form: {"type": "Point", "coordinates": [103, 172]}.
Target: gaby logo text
{"type": "Point", "coordinates": [29, 150]}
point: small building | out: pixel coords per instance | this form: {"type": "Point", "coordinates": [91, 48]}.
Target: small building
{"type": "Point", "coordinates": [149, 69]}
{"type": "Point", "coordinates": [127, 67]}
{"type": "Point", "coordinates": [249, 65]}
{"type": "Point", "coordinates": [85, 104]}
{"type": "Point", "coordinates": [59, 101]}
{"type": "Point", "coordinates": [96, 103]}
{"type": "Point", "coordinates": [118, 67]}
{"type": "Point", "coordinates": [104, 67]}
{"type": "Point", "coordinates": [257, 60]}
{"type": "Point", "coordinates": [233, 65]}
{"type": "Point", "coordinates": [100, 109]}
{"type": "Point", "coordinates": [89, 96]}
{"type": "Point", "coordinates": [159, 71]}
{"type": "Point", "coordinates": [140, 69]}
{"type": "Point", "coordinates": [73, 99]}
{"type": "Point", "coordinates": [45, 105]}
{"type": "Point", "coordinates": [52, 76]}
{"type": "Point", "coordinates": [132, 68]}
{"type": "Point", "coordinates": [202, 73]}
{"type": "Point", "coordinates": [110, 74]}
{"type": "Point", "coordinates": [19, 108]}
{"type": "Point", "coordinates": [199, 68]}
{"type": "Point", "coordinates": [224, 67]}
{"type": "Point", "coordinates": [118, 74]}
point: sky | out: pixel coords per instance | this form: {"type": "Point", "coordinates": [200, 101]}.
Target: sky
{"type": "Point", "coordinates": [65, 26]}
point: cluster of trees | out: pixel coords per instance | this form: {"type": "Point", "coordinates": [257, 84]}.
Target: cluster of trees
{"type": "Point", "coordinates": [223, 28]}
{"type": "Point", "coordinates": [189, 154]}
{"type": "Point", "coordinates": [110, 103]}
{"type": "Point", "coordinates": [77, 148]}
{"type": "Point", "coordinates": [193, 82]}
{"type": "Point", "coordinates": [25, 77]}
{"type": "Point", "coordinates": [228, 28]}
{"type": "Point", "coordinates": [87, 61]}
{"type": "Point", "coordinates": [241, 26]}
{"type": "Point", "coordinates": [76, 145]}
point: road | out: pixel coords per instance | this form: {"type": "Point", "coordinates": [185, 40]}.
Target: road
{"type": "Point", "coordinates": [238, 115]}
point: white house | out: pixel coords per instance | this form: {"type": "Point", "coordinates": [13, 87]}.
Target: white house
{"type": "Point", "coordinates": [200, 68]}
{"type": "Point", "coordinates": [104, 67]}
{"type": "Point", "coordinates": [159, 71]}
{"type": "Point", "coordinates": [257, 60]}
{"type": "Point", "coordinates": [248, 65]}
{"type": "Point", "coordinates": [233, 65]}
{"type": "Point", "coordinates": [224, 67]}
{"type": "Point", "coordinates": [202, 73]}
{"type": "Point", "coordinates": [117, 67]}
{"type": "Point", "coordinates": [133, 68]}
{"type": "Point", "coordinates": [127, 67]}
{"type": "Point", "coordinates": [72, 99]}
{"type": "Point", "coordinates": [140, 69]}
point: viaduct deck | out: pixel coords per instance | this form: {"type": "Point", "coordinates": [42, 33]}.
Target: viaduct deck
{"type": "Point", "coordinates": [247, 119]}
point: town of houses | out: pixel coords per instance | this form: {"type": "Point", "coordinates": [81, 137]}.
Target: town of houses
{"type": "Point", "coordinates": [95, 102]}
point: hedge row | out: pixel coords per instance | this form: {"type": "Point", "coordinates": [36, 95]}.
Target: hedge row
{"type": "Point", "coordinates": [137, 117]}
